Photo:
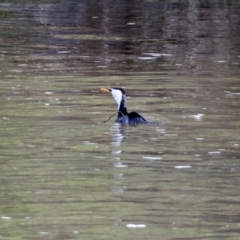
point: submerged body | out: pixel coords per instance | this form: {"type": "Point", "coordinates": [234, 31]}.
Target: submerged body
{"type": "Point", "coordinates": [123, 116]}
{"type": "Point", "coordinates": [131, 118]}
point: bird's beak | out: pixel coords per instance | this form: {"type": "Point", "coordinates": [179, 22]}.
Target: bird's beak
{"type": "Point", "coordinates": [105, 90]}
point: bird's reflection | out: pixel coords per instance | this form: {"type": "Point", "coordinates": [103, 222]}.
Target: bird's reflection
{"type": "Point", "coordinates": [118, 134]}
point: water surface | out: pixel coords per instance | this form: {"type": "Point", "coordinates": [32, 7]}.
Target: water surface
{"type": "Point", "coordinates": [67, 175]}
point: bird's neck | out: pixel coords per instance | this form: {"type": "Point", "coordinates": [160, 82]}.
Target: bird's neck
{"type": "Point", "coordinates": [122, 110]}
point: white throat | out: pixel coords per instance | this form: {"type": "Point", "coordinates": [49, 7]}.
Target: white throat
{"type": "Point", "coordinates": [117, 94]}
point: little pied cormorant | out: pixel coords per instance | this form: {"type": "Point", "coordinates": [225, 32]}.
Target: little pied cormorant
{"type": "Point", "coordinates": [123, 116]}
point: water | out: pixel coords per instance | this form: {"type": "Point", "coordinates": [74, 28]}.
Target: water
{"type": "Point", "coordinates": [67, 175]}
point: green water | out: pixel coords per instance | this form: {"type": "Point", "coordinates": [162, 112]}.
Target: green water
{"type": "Point", "coordinates": [67, 175]}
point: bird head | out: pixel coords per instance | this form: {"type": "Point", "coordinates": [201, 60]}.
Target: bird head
{"type": "Point", "coordinates": [118, 94]}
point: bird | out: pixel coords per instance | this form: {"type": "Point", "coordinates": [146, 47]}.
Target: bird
{"type": "Point", "coordinates": [123, 116]}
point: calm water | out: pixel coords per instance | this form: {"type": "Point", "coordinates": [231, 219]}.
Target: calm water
{"type": "Point", "coordinates": [67, 175]}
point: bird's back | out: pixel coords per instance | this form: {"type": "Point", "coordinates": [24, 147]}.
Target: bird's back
{"type": "Point", "coordinates": [132, 118]}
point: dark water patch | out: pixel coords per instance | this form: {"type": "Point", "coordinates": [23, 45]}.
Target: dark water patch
{"type": "Point", "coordinates": [99, 38]}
